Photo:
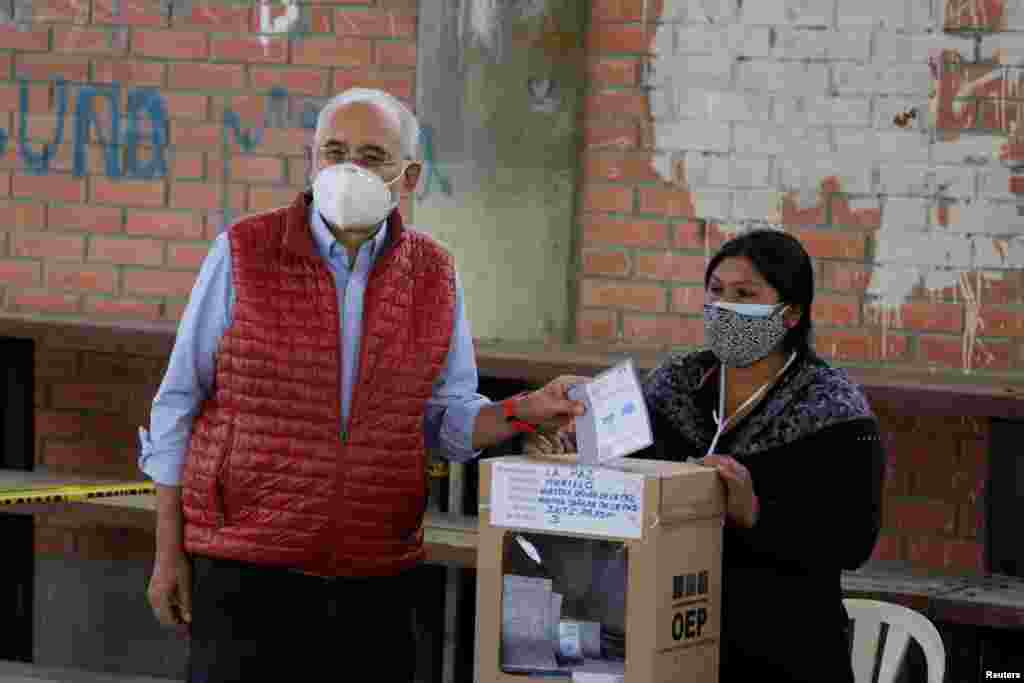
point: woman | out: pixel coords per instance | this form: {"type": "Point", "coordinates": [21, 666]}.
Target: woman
{"type": "Point", "coordinates": [798, 447]}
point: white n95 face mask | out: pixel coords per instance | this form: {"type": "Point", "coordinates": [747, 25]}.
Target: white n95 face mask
{"type": "Point", "coordinates": [350, 196]}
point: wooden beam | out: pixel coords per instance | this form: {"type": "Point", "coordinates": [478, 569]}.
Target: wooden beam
{"type": "Point", "coordinates": [929, 393]}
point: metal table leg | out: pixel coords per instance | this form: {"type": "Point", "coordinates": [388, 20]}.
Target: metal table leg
{"type": "Point", "coordinates": [453, 588]}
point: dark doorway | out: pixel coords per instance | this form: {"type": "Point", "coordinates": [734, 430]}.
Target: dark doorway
{"type": "Point", "coordinates": [17, 452]}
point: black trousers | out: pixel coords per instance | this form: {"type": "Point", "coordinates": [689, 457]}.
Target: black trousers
{"type": "Point", "coordinates": [253, 623]}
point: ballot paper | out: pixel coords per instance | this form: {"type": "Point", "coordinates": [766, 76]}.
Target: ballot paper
{"type": "Point", "coordinates": [579, 676]}
{"type": "Point", "coordinates": [579, 639]}
{"type": "Point", "coordinates": [535, 639]}
{"type": "Point", "coordinates": [554, 616]}
{"type": "Point", "coordinates": [616, 423]}
{"type": "Point", "coordinates": [590, 639]}
{"type": "Point", "coordinates": [528, 642]}
{"type": "Point", "coordinates": [570, 647]}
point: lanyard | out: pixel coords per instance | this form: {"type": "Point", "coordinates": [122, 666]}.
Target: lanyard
{"type": "Point", "coordinates": [719, 414]}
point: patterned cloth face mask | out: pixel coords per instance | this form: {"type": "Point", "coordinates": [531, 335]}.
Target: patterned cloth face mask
{"type": "Point", "coordinates": [741, 334]}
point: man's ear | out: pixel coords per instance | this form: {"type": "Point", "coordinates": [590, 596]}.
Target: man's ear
{"type": "Point", "coordinates": [412, 176]}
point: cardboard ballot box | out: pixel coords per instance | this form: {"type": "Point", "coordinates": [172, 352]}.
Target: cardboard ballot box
{"type": "Point", "coordinates": [604, 573]}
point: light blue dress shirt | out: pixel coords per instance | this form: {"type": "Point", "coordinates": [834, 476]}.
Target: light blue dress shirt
{"type": "Point", "coordinates": [450, 412]}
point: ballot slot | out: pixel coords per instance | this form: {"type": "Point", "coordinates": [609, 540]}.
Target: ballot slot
{"type": "Point", "coordinates": [563, 606]}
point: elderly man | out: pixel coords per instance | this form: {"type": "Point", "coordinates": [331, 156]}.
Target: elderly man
{"type": "Point", "coordinates": [324, 348]}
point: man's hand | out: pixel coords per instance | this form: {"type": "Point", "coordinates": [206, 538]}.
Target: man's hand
{"type": "Point", "coordinates": [550, 406]}
{"type": "Point", "coordinates": [170, 591]}
{"type": "Point", "coordinates": [742, 506]}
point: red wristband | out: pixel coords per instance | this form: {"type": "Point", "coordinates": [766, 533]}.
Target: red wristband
{"type": "Point", "coordinates": [509, 410]}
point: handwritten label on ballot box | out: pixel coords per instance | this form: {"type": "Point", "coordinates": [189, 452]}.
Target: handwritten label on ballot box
{"type": "Point", "coordinates": [567, 498]}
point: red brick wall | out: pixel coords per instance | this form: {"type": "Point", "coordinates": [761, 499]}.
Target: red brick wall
{"type": "Point", "coordinates": [645, 239]}
{"type": "Point", "coordinates": [114, 246]}
{"type": "Point", "coordinates": [102, 246]}
{"type": "Point", "coordinates": [934, 485]}
{"type": "Point", "coordinates": [105, 244]}
{"type": "Point", "coordinates": [68, 534]}
{"type": "Point", "coordinates": [645, 243]}
{"type": "Point", "coordinates": [94, 388]}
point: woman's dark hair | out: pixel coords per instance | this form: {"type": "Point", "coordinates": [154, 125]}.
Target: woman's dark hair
{"type": "Point", "coordinates": [783, 262]}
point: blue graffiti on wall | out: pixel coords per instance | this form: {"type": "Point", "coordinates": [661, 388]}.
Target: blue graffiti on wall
{"type": "Point", "coordinates": [143, 104]}
{"type": "Point", "coordinates": [430, 165]}
{"type": "Point", "coordinates": [144, 123]}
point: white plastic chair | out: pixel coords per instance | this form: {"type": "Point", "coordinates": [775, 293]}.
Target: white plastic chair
{"type": "Point", "coordinates": [904, 623]}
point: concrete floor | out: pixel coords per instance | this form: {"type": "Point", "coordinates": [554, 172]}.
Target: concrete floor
{"type": "Point", "coordinates": [16, 672]}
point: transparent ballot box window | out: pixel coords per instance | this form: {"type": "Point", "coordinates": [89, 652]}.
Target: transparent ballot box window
{"type": "Point", "coordinates": [563, 606]}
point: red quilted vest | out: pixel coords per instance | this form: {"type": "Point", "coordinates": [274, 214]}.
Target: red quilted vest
{"type": "Point", "coordinates": [269, 477]}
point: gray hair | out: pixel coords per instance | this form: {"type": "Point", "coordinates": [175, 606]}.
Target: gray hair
{"type": "Point", "coordinates": [409, 126]}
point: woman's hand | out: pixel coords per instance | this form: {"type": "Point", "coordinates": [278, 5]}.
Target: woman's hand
{"type": "Point", "coordinates": [550, 442]}
{"type": "Point", "coordinates": [741, 505]}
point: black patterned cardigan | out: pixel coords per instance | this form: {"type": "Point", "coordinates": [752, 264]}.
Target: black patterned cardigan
{"type": "Point", "coordinates": [816, 458]}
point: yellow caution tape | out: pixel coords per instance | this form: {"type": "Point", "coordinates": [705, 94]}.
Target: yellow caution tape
{"type": "Point", "coordinates": [71, 493]}
{"type": "Point", "coordinates": [75, 492]}
{"type": "Point", "coordinates": [437, 470]}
